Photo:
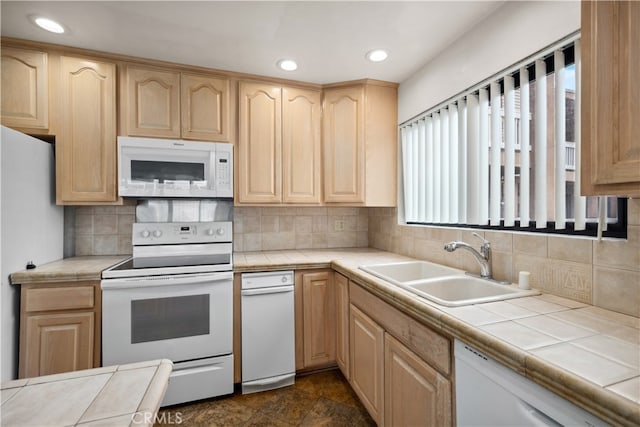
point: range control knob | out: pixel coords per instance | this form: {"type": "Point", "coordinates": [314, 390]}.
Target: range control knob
{"type": "Point", "coordinates": [220, 231]}
{"type": "Point", "coordinates": [210, 232]}
{"type": "Point", "coordinates": [145, 233]}
{"type": "Point", "coordinates": [157, 233]}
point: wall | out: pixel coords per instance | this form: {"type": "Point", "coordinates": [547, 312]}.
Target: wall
{"type": "Point", "coordinates": [603, 273]}
{"type": "Point", "coordinates": [274, 228]}
{"type": "Point", "coordinates": [510, 34]}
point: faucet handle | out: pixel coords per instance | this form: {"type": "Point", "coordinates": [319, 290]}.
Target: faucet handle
{"type": "Point", "coordinates": [485, 248]}
{"type": "Point", "coordinates": [484, 241]}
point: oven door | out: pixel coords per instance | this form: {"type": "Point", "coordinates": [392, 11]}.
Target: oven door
{"type": "Point", "coordinates": [178, 317]}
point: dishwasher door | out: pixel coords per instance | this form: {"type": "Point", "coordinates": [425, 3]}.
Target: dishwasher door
{"type": "Point", "coordinates": [268, 331]}
{"type": "Point", "coordinates": [489, 394]}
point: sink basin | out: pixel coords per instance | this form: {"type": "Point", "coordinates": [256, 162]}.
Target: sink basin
{"type": "Point", "coordinates": [444, 285]}
{"type": "Point", "coordinates": [454, 291]}
{"type": "Point", "coordinates": [403, 273]}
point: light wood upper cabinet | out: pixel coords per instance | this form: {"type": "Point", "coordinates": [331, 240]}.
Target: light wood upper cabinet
{"type": "Point", "coordinates": [259, 144]}
{"type": "Point", "coordinates": [86, 140]}
{"type": "Point", "coordinates": [151, 102]}
{"type": "Point", "coordinates": [367, 362]}
{"type": "Point", "coordinates": [343, 127]}
{"type": "Point", "coordinates": [610, 93]}
{"type": "Point", "coordinates": [205, 108]}
{"type": "Point", "coordinates": [59, 328]}
{"type": "Point", "coordinates": [25, 89]}
{"type": "Point", "coordinates": [301, 150]}
{"type": "Point", "coordinates": [360, 144]}
{"type": "Point", "coordinates": [278, 145]}
{"type": "Point", "coordinates": [170, 104]}
{"type": "Point", "coordinates": [415, 393]}
{"type": "Point", "coordinates": [342, 323]}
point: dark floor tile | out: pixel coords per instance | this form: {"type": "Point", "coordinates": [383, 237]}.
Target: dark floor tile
{"type": "Point", "coordinates": [320, 399]}
{"type": "Point", "coordinates": [290, 407]}
{"type": "Point", "coordinates": [327, 412]}
{"type": "Point", "coordinates": [329, 384]}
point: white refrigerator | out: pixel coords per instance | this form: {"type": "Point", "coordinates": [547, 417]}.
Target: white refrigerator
{"type": "Point", "coordinates": [31, 227]}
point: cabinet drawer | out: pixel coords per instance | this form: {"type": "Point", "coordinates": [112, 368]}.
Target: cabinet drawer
{"type": "Point", "coordinates": [59, 298]}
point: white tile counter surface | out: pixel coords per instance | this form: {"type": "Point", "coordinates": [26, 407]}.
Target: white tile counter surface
{"type": "Point", "coordinates": [120, 395]}
{"type": "Point", "coordinates": [586, 354]}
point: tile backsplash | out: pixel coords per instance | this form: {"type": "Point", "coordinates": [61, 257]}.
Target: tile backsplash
{"type": "Point", "coordinates": [106, 230]}
{"type": "Point", "coordinates": [602, 273]}
{"type": "Point", "coordinates": [276, 228]}
{"type": "Point", "coordinates": [605, 274]}
{"type": "Point", "coordinates": [103, 230]}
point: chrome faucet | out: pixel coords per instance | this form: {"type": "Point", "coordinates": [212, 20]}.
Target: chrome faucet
{"type": "Point", "coordinates": [483, 257]}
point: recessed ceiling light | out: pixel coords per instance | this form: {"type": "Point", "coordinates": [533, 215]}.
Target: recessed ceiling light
{"type": "Point", "coordinates": [287, 65]}
{"type": "Point", "coordinates": [49, 25]}
{"type": "Point", "coordinates": [377, 55]}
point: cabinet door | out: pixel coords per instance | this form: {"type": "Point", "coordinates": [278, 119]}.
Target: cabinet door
{"type": "Point", "coordinates": [205, 108]}
{"type": "Point", "coordinates": [319, 319]}
{"type": "Point", "coordinates": [343, 138]}
{"type": "Point", "coordinates": [25, 89]}
{"type": "Point", "coordinates": [367, 362]}
{"type": "Point", "coordinates": [415, 394]}
{"type": "Point", "coordinates": [260, 144]}
{"type": "Point", "coordinates": [151, 103]}
{"type": "Point", "coordinates": [55, 343]}
{"type": "Point", "coordinates": [301, 146]}
{"type": "Point", "coordinates": [610, 89]}
{"type": "Point", "coordinates": [342, 323]}
{"type": "Point", "coordinates": [86, 148]}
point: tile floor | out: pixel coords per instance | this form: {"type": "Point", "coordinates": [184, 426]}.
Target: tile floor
{"type": "Point", "coordinates": [320, 399]}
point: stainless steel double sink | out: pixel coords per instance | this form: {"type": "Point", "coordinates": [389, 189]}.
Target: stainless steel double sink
{"type": "Point", "coordinates": [444, 285]}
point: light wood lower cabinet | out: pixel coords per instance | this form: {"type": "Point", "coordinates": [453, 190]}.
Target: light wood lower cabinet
{"type": "Point", "coordinates": [342, 323]}
{"type": "Point", "coordinates": [415, 393]}
{"type": "Point", "coordinates": [59, 328]}
{"type": "Point", "coordinates": [315, 319]}
{"type": "Point", "coordinates": [367, 362]}
{"type": "Point", "coordinates": [399, 368]}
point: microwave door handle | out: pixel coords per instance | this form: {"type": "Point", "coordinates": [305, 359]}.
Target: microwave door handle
{"type": "Point", "coordinates": [148, 282]}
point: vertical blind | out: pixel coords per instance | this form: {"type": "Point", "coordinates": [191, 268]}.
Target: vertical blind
{"type": "Point", "coordinates": [483, 158]}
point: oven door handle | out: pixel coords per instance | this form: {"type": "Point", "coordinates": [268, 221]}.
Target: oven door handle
{"type": "Point", "coordinates": [264, 291]}
{"type": "Point", "coordinates": [154, 281]}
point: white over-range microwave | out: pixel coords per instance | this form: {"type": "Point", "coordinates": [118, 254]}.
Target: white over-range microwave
{"type": "Point", "coordinates": [150, 167]}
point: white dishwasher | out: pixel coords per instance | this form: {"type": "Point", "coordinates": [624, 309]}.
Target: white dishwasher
{"type": "Point", "coordinates": [489, 394]}
{"type": "Point", "coordinates": [268, 331]}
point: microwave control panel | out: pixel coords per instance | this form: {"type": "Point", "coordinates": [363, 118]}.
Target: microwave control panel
{"type": "Point", "coordinates": [224, 170]}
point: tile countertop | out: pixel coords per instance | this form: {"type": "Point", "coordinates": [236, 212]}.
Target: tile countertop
{"type": "Point", "coordinates": [67, 270]}
{"type": "Point", "coordinates": [586, 354]}
{"type": "Point", "coordinates": [120, 395]}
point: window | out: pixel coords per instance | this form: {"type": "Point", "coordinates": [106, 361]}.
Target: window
{"type": "Point", "coordinates": [529, 179]}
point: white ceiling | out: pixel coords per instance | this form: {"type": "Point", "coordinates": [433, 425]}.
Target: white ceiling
{"type": "Point", "coordinates": [327, 39]}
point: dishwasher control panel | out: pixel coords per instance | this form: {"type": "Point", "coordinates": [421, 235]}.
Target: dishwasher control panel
{"type": "Point", "coordinates": [267, 279]}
